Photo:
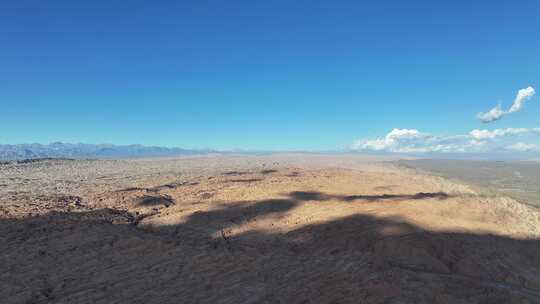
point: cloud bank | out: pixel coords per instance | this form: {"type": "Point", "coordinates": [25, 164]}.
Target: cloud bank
{"type": "Point", "coordinates": [497, 113]}
{"type": "Point", "coordinates": [477, 140]}
{"type": "Point", "coordinates": [523, 147]}
{"type": "Point", "coordinates": [414, 141]}
{"type": "Point", "coordinates": [486, 134]}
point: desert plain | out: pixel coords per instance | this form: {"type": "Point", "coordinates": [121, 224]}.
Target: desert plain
{"type": "Point", "coordinates": [277, 228]}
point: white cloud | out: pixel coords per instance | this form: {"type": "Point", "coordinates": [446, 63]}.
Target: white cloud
{"type": "Point", "coordinates": [481, 134]}
{"type": "Point", "coordinates": [393, 139]}
{"type": "Point", "coordinates": [522, 96]}
{"type": "Point", "coordinates": [492, 115]}
{"type": "Point", "coordinates": [486, 134]}
{"type": "Point", "coordinates": [522, 147]}
{"type": "Point", "coordinates": [414, 141]}
{"type": "Point", "coordinates": [497, 113]}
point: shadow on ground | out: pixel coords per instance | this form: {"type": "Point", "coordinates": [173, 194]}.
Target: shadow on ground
{"type": "Point", "coordinates": [103, 256]}
{"type": "Point", "coordinates": [149, 201]}
{"type": "Point", "coordinates": [318, 196]}
{"type": "Point", "coordinates": [246, 180]}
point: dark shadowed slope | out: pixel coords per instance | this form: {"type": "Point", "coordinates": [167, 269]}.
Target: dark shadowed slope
{"type": "Point", "coordinates": [101, 256]}
{"type": "Point", "coordinates": [189, 231]}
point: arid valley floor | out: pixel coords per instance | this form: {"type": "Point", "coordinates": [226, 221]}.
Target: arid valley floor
{"type": "Point", "coordinates": [283, 228]}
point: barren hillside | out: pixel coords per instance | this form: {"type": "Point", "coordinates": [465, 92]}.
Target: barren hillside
{"type": "Point", "coordinates": [258, 229]}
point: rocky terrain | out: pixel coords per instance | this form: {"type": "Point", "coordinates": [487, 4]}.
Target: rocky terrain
{"type": "Point", "coordinates": [259, 229]}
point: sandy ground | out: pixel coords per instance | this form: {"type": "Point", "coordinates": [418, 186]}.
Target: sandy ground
{"type": "Point", "coordinates": [259, 229]}
{"type": "Point", "coordinates": [517, 179]}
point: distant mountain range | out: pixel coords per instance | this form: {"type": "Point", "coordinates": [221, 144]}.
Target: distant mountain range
{"type": "Point", "coordinates": [66, 150]}
{"type": "Point", "coordinates": [78, 151]}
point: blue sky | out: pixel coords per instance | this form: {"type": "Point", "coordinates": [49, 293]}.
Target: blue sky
{"type": "Point", "coordinates": [277, 75]}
